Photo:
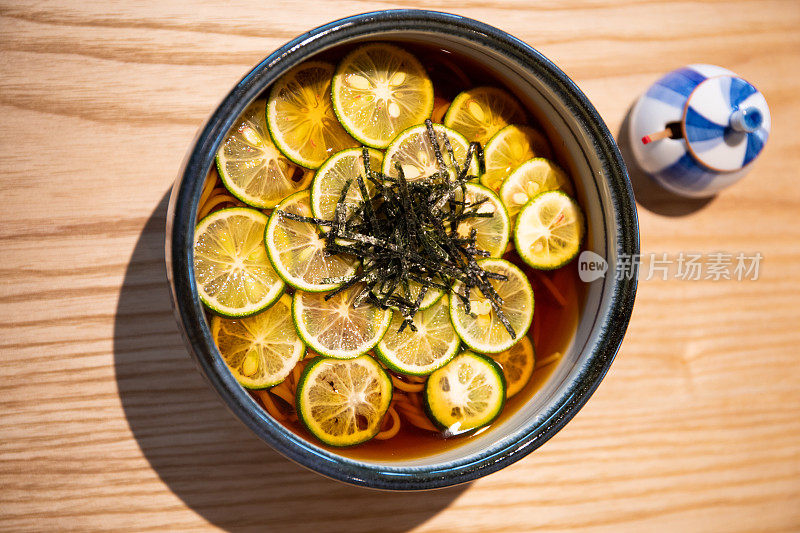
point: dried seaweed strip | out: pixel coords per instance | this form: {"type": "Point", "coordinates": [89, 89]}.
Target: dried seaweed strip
{"type": "Point", "coordinates": [435, 145]}
{"type": "Point", "coordinates": [407, 231]}
{"type": "Point", "coordinates": [307, 220]}
{"type": "Point", "coordinates": [453, 161]}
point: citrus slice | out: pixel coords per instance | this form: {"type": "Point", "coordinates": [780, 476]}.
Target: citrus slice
{"type": "Point", "coordinates": [262, 349]}
{"type": "Point", "coordinates": [301, 118]}
{"type": "Point", "coordinates": [336, 327]}
{"type": "Point", "coordinates": [481, 112]}
{"type": "Point", "coordinates": [333, 175]}
{"type": "Point", "coordinates": [233, 273]}
{"type": "Point", "coordinates": [517, 363]}
{"type": "Point", "coordinates": [491, 232]}
{"type": "Point", "coordinates": [467, 393]}
{"type": "Point", "coordinates": [414, 152]}
{"type": "Point", "coordinates": [422, 351]}
{"type": "Point", "coordinates": [298, 252]}
{"type": "Point", "coordinates": [508, 149]}
{"type": "Point", "coordinates": [482, 329]}
{"type": "Point", "coordinates": [342, 403]}
{"type": "Point", "coordinates": [251, 166]}
{"type": "Point", "coordinates": [532, 177]}
{"type": "Point", "coordinates": [549, 230]}
{"type": "Point", "coordinates": [378, 91]}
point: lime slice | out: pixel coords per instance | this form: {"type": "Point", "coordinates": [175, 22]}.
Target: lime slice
{"type": "Point", "coordinates": [301, 118]}
{"type": "Point", "coordinates": [415, 153]}
{"type": "Point", "coordinates": [332, 177]}
{"type": "Point", "coordinates": [262, 349]}
{"type": "Point", "coordinates": [465, 394]}
{"type": "Point", "coordinates": [298, 252]}
{"type": "Point", "coordinates": [491, 233]}
{"type": "Point", "coordinates": [252, 168]}
{"type": "Point", "coordinates": [233, 274]}
{"type": "Point", "coordinates": [508, 149]}
{"type": "Point", "coordinates": [532, 177]}
{"type": "Point", "coordinates": [420, 352]}
{"type": "Point", "coordinates": [380, 90]}
{"type": "Point", "coordinates": [482, 330]}
{"type": "Point", "coordinates": [517, 363]}
{"type": "Point", "coordinates": [342, 403]}
{"type": "Point", "coordinates": [481, 112]}
{"type": "Point", "coordinates": [549, 230]}
{"type": "Point", "coordinates": [335, 327]}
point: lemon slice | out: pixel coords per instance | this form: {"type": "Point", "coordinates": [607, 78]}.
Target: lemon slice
{"type": "Point", "coordinates": [262, 349]}
{"type": "Point", "coordinates": [532, 177]}
{"type": "Point", "coordinates": [335, 327]}
{"type": "Point", "coordinates": [250, 165]}
{"type": "Point", "coordinates": [416, 155]}
{"type": "Point", "coordinates": [491, 233]}
{"type": "Point", "coordinates": [378, 91]}
{"type": "Point", "coordinates": [481, 112]}
{"type": "Point", "coordinates": [517, 363]}
{"type": "Point", "coordinates": [422, 351]}
{"type": "Point", "coordinates": [342, 403]}
{"type": "Point", "coordinates": [332, 177]}
{"type": "Point", "coordinates": [467, 393]}
{"type": "Point", "coordinates": [233, 273]}
{"type": "Point", "coordinates": [508, 149]}
{"type": "Point", "coordinates": [549, 230]}
{"type": "Point", "coordinates": [301, 118]}
{"type": "Point", "coordinates": [298, 252]}
{"type": "Point", "coordinates": [482, 330]}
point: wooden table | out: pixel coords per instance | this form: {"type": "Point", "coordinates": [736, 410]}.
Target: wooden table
{"type": "Point", "coordinates": [104, 422]}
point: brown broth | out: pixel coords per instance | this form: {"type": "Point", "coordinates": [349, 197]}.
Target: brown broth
{"type": "Point", "coordinates": [553, 324]}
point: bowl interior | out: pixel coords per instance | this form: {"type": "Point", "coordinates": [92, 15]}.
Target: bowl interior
{"type": "Point", "coordinates": [584, 144]}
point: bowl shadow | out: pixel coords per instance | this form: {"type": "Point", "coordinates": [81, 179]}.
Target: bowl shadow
{"type": "Point", "coordinates": [647, 192]}
{"type": "Point", "coordinates": [211, 461]}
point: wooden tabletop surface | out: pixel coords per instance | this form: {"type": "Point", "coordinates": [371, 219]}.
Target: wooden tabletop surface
{"type": "Point", "coordinates": [104, 422]}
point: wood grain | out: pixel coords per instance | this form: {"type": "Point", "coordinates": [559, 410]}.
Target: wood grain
{"type": "Point", "coordinates": [104, 423]}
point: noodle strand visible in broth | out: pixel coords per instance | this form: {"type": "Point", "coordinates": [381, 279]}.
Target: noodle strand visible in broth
{"type": "Point", "coordinates": [269, 405]}
{"type": "Point", "coordinates": [415, 416]}
{"type": "Point", "coordinates": [550, 359]}
{"type": "Point", "coordinates": [394, 429]}
{"type": "Point", "coordinates": [407, 387]}
{"type": "Point", "coordinates": [208, 188]}
{"type": "Point", "coordinates": [283, 392]}
{"type": "Point", "coordinates": [550, 286]}
{"type": "Point", "coordinates": [215, 201]}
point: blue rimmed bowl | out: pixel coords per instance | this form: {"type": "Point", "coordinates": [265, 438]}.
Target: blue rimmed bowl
{"type": "Point", "coordinates": [603, 190]}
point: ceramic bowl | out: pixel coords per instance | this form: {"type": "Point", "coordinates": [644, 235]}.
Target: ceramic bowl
{"type": "Point", "coordinates": [603, 189]}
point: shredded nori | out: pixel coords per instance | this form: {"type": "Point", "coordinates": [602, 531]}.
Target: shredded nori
{"type": "Point", "coordinates": [407, 231]}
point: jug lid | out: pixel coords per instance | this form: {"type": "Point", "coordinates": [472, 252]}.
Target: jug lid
{"type": "Point", "coordinates": [725, 123]}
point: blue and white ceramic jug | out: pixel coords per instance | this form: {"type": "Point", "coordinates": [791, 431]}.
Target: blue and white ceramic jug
{"type": "Point", "coordinates": [698, 129]}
